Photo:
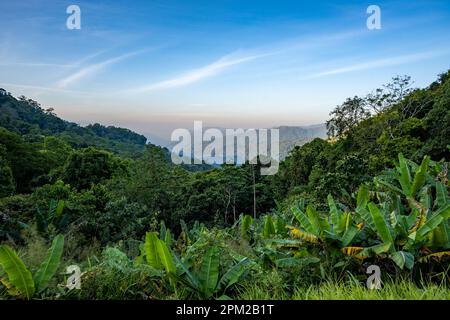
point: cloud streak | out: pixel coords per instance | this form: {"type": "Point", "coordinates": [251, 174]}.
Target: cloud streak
{"type": "Point", "coordinates": [196, 75]}
{"type": "Point", "coordinates": [386, 62]}
{"type": "Point", "coordinates": [229, 61]}
{"type": "Point", "coordinates": [93, 69]}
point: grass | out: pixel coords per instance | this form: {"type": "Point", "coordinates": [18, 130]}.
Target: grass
{"type": "Point", "coordinates": [330, 290]}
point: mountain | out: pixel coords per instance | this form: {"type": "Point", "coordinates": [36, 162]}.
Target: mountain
{"type": "Point", "coordinates": [290, 136]}
{"type": "Point", "coordinates": [26, 117]}
{"type": "Point", "coordinates": [298, 136]}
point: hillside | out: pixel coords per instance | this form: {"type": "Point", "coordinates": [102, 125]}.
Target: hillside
{"type": "Point", "coordinates": [26, 117]}
{"type": "Point", "coordinates": [375, 192]}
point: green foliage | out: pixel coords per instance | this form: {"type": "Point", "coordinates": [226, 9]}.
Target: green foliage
{"type": "Point", "coordinates": [49, 267]}
{"type": "Point", "coordinates": [269, 228]}
{"type": "Point", "coordinates": [20, 282]}
{"type": "Point", "coordinates": [6, 178]}
{"type": "Point", "coordinates": [26, 117]}
{"type": "Point", "coordinates": [376, 192]}
{"type": "Point", "coordinates": [246, 223]}
{"type": "Point", "coordinates": [89, 166]}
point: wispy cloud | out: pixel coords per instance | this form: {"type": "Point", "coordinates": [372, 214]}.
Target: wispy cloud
{"type": "Point", "coordinates": [197, 74]}
{"type": "Point", "coordinates": [233, 59]}
{"type": "Point", "coordinates": [94, 68]}
{"type": "Point", "coordinates": [32, 64]}
{"type": "Point", "coordinates": [39, 88]}
{"type": "Point", "coordinates": [36, 64]}
{"type": "Point", "coordinates": [386, 62]}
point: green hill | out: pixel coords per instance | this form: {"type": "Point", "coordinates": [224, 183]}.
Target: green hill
{"type": "Point", "coordinates": [27, 118]}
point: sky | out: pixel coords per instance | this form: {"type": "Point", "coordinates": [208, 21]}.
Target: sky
{"type": "Point", "coordinates": [153, 66]}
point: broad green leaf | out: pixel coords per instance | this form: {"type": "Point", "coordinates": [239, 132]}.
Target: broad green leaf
{"type": "Point", "coordinates": [334, 214]}
{"type": "Point", "coordinates": [192, 281]}
{"type": "Point", "coordinates": [439, 237]}
{"type": "Point", "coordinates": [165, 257]}
{"type": "Point", "coordinates": [269, 228]}
{"type": "Point", "coordinates": [168, 238]}
{"type": "Point", "coordinates": [404, 175]}
{"type": "Point", "coordinates": [403, 259]}
{"type": "Point", "coordinates": [314, 219]}
{"type": "Point", "coordinates": [233, 275]}
{"type": "Point", "coordinates": [441, 195]}
{"type": "Point", "coordinates": [59, 208]}
{"type": "Point", "coordinates": [280, 226]}
{"type": "Point", "coordinates": [436, 219]}
{"type": "Point", "coordinates": [349, 235]}
{"type": "Point", "coordinates": [377, 249]}
{"type": "Point", "coordinates": [185, 229]}
{"type": "Point", "coordinates": [209, 271]}
{"type": "Point", "coordinates": [151, 250]}
{"type": "Point", "coordinates": [18, 275]}
{"type": "Point", "coordinates": [246, 222]}
{"type": "Point", "coordinates": [363, 196]}
{"type": "Point", "coordinates": [303, 220]}
{"type": "Point", "coordinates": [380, 224]}
{"type": "Point", "coordinates": [388, 185]}
{"type": "Point", "coordinates": [425, 197]}
{"type": "Point", "coordinates": [365, 215]}
{"type": "Point", "coordinates": [420, 176]}
{"type": "Point", "coordinates": [50, 265]}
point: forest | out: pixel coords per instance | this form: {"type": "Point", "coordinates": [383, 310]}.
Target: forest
{"type": "Point", "coordinates": [107, 204]}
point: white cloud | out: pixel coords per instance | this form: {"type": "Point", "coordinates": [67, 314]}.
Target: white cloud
{"type": "Point", "coordinates": [197, 74]}
{"type": "Point", "coordinates": [93, 68]}
{"type": "Point", "coordinates": [39, 88]}
{"type": "Point", "coordinates": [391, 61]}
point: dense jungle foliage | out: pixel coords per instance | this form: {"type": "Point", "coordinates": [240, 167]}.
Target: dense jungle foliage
{"type": "Point", "coordinates": [139, 227]}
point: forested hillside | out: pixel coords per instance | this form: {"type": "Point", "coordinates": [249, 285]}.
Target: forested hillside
{"type": "Point", "coordinates": [26, 117]}
{"type": "Point", "coordinates": [376, 191]}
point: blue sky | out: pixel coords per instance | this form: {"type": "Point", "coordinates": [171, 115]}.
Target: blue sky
{"type": "Point", "coordinates": [154, 66]}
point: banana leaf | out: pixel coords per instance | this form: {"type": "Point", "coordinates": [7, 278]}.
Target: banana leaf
{"type": "Point", "coordinates": [50, 265]}
{"type": "Point", "coordinates": [18, 275]}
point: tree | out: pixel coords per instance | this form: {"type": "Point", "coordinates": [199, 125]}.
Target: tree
{"type": "Point", "coordinates": [390, 94]}
{"type": "Point", "coordinates": [346, 116]}
{"type": "Point", "coordinates": [6, 178]}
{"type": "Point", "coordinates": [57, 149]}
{"type": "Point", "coordinates": [87, 167]}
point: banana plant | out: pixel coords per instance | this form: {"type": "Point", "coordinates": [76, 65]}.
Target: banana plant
{"type": "Point", "coordinates": [403, 230]}
{"type": "Point", "coordinates": [207, 282]}
{"type": "Point", "coordinates": [316, 228]}
{"type": "Point", "coordinates": [269, 227]}
{"type": "Point", "coordinates": [20, 282]}
{"type": "Point", "coordinates": [245, 225]}
{"type": "Point", "coordinates": [44, 218]}
{"type": "Point", "coordinates": [158, 255]}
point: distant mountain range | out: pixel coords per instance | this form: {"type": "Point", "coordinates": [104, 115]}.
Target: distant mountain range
{"type": "Point", "coordinates": [290, 136]}
{"type": "Point", "coordinates": [26, 117]}
{"type": "Point", "coordinates": [297, 136]}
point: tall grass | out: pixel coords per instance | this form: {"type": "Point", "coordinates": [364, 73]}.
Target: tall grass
{"type": "Point", "coordinates": [331, 290]}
